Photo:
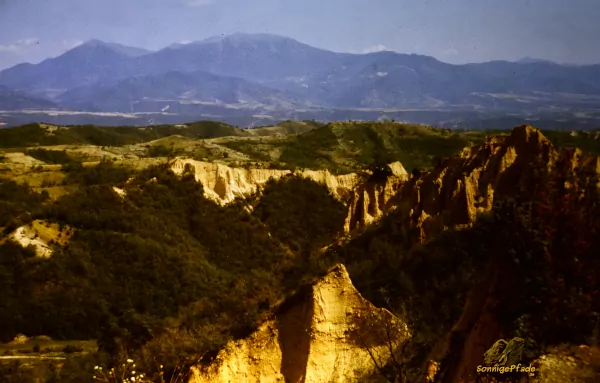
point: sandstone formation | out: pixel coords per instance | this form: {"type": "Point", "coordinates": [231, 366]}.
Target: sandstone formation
{"type": "Point", "coordinates": [371, 200]}
{"type": "Point", "coordinates": [120, 192]}
{"type": "Point", "coordinates": [454, 194]}
{"type": "Point", "coordinates": [223, 184]}
{"type": "Point", "coordinates": [367, 201]}
{"type": "Point", "coordinates": [39, 235]}
{"type": "Point", "coordinates": [328, 333]}
{"type": "Point", "coordinates": [460, 188]}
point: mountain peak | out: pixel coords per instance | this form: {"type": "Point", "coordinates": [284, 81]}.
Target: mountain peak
{"type": "Point", "coordinates": [115, 47]}
{"type": "Point", "coordinates": [93, 43]}
{"type": "Point", "coordinates": [247, 37]}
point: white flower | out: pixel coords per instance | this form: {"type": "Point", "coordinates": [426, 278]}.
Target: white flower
{"type": "Point", "coordinates": [132, 372]}
{"type": "Point", "coordinates": [133, 378]}
{"type": "Point", "coordinates": [161, 366]}
{"type": "Point", "coordinates": [95, 367]}
{"type": "Point", "coordinates": [129, 361]}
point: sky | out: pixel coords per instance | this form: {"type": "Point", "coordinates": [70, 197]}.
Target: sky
{"type": "Point", "coordinates": [454, 31]}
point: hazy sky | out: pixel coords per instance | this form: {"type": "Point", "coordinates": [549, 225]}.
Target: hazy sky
{"type": "Point", "coordinates": [455, 31]}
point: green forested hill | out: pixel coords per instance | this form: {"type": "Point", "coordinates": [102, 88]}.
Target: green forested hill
{"type": "Point", "coordinates": [136, 261]}
{"type": "Point", "coordinates": [340, 147]}
{"type": "Point", "coordinates": [47, 135]}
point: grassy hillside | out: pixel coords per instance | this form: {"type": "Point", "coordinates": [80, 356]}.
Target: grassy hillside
{"type": "Point", "coordinates": [348, 146]}
{"type": "Point", "coordinates": [285, 128]}
{"type": "Point", "coordinates": [340, 147]}
{"type": "Point", "coordinates": [588, 142]}
{"type": "Point", "coordinates": [47, 135]}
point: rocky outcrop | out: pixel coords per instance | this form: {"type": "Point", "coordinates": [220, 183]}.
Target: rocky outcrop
{"type": "Point", "coordinates": [371, 200]}
{"type": "Point", "coordinates": [328, 333]}
{"type": "Point", "coordinates": [120, 192]}
{"type": "Point", "coordinates": [223, 184]}
{"type": "Point", "coordinates": [454, 194]}
{"type": "Point", "coordinates": [40, 236]}
{"type": "Point", "coordinates": [366, 200]}
{"type": "Point", "coordinates": [460, 188]}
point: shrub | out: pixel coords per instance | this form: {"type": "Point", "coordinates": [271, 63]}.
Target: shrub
{"type": "Point", "coordinates": [69, 349]}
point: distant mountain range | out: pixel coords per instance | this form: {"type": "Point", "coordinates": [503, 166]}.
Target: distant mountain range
{"type": "Point", "coordinates": [268, 71]}
{"type": "Point", "coordinates": [156, 92]}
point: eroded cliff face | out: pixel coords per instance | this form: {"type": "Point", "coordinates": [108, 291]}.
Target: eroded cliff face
{"type": "Point", "coordinates": [454, 194]}
{"type": "Point", "coordinates": [456, 191]}
{"type": "Point", "coordinates": [366, 200]}
{"type": "Point", "coordinates": [40, 235]}
{"type": "Point", "coordinates": [371, 200]}
{"type": "Point", "coordinates": [326, 334]}
{"type": "Point", "coordinates": [224, 184]}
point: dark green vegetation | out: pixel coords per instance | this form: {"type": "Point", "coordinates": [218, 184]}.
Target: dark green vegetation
{"type": "Point", "coordinates": [287, 127]}
{"type": "Point", "coordinates": [50, 156]}
{"type": "Point", "coordinates": [46, 135]}
{"type": "Point", "coordinates": [105, 173]}
{"type": "Point", "coordinates": [350, 146]}
{"type": "Point", "coordinates": [161, 151]}
{"type": "Point", "coordinates": [293, 211]}
{"type": "Point", "coordinates": [340, 147]}
{"type": "Point", "coordinates": [588, 142]}
{"type": "Point", "coordinates": [18, 203]}
{"type": "Point", "coordinates": [162, 251]}
{"type": "Point", "coordinates": [255, 150]}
